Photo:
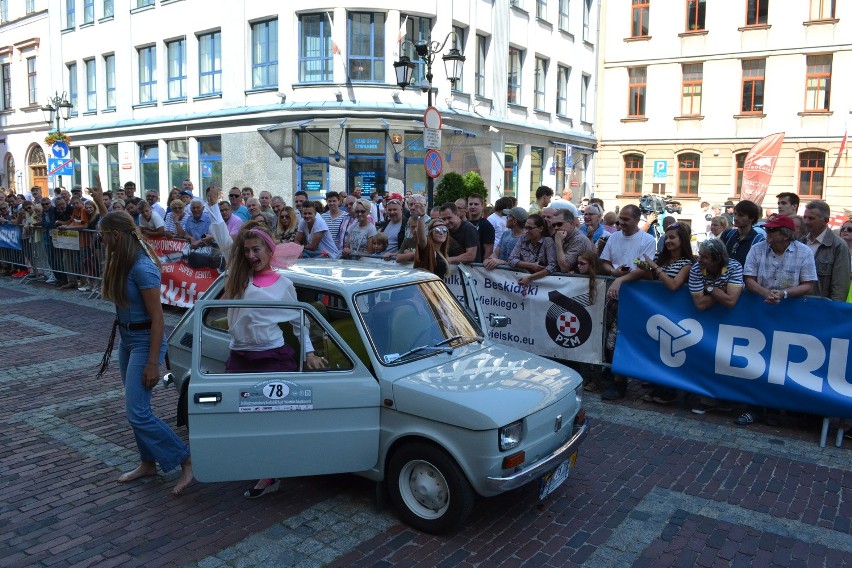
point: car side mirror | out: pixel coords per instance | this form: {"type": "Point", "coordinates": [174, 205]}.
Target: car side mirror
{"type": "Point", "coordinates": [498, 321]}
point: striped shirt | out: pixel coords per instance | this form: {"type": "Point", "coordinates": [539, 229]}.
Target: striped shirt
{"type": "Point", "coordinates": [731, 277]}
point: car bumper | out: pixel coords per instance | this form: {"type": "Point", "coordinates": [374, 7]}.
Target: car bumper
{"type": "Point", "coordinates": [541, 467]}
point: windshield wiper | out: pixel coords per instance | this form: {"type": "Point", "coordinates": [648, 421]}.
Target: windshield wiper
{"type": "Point", "coordinates": [457, 337]}
{"type": "Point", "coordinates": [436, 348]}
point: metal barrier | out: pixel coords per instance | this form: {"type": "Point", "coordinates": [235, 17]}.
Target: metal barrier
{"type": "Point", "coordinates": [71, 258]}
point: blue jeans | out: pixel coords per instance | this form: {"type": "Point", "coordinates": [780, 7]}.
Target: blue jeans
{"type": "Point", "coordinates": [155, 440]}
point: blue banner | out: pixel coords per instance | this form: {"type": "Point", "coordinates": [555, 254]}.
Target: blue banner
{"type": "Point", "coordinates": [793, 355]}
{"type": "Point", "coordinates": [10, 236]}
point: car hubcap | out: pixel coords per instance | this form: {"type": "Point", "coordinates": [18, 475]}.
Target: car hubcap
{"type": "Point", "coordinates": [424, 489]}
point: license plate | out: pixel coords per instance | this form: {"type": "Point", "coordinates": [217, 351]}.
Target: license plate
{"type": "Point", "coordinates": [551, 481]}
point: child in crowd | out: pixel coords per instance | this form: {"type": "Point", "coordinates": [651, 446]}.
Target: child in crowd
{"type": "Point", "coordinates": [380, 243]}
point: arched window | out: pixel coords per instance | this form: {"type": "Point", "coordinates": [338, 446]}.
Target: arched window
{"type": "Point", "coordinates": [10, 172]}
{"type": "Point", "coordinates": [633, 174]}
{"type": "Point", "coordinates": [811, 174]}
{"type": "Point", "coordinates": [688, 167]}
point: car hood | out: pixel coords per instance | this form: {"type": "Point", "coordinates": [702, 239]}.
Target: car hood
{"type": "Point", "coordinates": [486, 389]}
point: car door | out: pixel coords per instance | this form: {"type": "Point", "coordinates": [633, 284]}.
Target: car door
{"type": "Point", "coordinates": [470, 297]}
{"type": "Point", "coordinates": [281, 423]}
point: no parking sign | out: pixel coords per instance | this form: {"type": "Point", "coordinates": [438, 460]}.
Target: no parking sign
{"type": "Point", "coordinates": [433, 163]}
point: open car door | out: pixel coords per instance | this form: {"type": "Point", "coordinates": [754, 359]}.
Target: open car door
{"type": "Point", "coordinates": [250, 425]}
{"type": "Point", "coordinates": [470, 298]}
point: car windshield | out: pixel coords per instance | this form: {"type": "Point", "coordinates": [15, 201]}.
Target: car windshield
{"type": "Point", "coordinates": [402, 320]}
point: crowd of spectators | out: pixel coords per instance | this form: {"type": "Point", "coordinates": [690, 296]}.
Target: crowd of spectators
{"type": "Point", "coordinates": [722, 251]}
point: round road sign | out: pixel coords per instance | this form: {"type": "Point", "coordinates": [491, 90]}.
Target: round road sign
{"type": "Point", "coordinates": [433, 163]}
{"type": "Point", "coordinates": [432, 118]}
{"type": "Point", "coordinates": [60, 150]}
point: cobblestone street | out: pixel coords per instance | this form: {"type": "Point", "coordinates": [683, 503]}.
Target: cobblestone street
{"type": "Point", "coordinates": [653, 486]}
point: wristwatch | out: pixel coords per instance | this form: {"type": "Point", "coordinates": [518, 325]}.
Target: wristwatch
{"type": "Point", "coordinates": [785, 294]}
{"type": "Point", "coordinates": [709, 289]}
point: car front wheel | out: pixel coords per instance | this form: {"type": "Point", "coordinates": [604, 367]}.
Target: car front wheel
{"type": "Point", "coordinates": [429, 489]}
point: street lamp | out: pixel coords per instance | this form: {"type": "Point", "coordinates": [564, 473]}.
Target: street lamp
{"type": "Point", "coordinates": [57, 107]}
{"type": "Point", "coordinates": [426, 51]}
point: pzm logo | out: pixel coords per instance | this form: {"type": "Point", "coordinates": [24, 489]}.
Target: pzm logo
{"type": "Point", "coordinates": [568, 323]}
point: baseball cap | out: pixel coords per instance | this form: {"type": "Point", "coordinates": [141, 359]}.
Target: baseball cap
{"type": "Point", "coordinates": [518, 213]}
{"type": "Point", "coordinates": [780, 221]}
{"type": "Point", "coordinates": [729, 203]}
{"type": "Point", "coordinates": [186, 192]}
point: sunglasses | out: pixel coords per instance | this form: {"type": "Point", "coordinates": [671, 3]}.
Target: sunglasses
{"type": "Point", "coordinates": [530, 227]}
{"type": "Point", "coordinates": [845, 229]}
{"type": "Point", "coordinates": [557, 223]}
{"type": "Point", "coordinates": [234, 195]}
{"type": "Point", "coordinates": [440, 230]}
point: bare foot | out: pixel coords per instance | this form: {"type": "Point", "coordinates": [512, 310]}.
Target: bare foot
{"type": "Point", "coordinates": [185, 479]}
{"type": "Point", "coordinates": [145, 469]}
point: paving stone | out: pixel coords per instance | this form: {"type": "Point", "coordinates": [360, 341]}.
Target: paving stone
{"type": "Point", "coordinates": [653, 486]}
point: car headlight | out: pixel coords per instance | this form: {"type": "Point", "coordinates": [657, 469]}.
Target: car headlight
{"type": "Point", "coordinates": [510, 436]}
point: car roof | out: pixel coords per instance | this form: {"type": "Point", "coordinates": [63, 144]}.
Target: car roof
{"type": "Point", "coordinates": [354, 276]}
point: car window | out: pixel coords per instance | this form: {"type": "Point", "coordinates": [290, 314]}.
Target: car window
{"type": "Point", "coordinates": [266, 339]}
{"type": "Point", "coordinates": [407, 317]}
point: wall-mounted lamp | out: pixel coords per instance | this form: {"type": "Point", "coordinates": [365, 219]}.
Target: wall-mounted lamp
{"type": "Point", "coordinates": [282, 96]}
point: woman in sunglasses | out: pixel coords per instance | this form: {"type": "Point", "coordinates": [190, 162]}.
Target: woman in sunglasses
{"type": "Point", "coordinates": [433, 246]}
{"type": "Point", "coordinates": [359, 237]}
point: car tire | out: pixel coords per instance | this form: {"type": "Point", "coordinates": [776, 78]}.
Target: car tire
{"type": "Point", "coordinates": [429, 489]}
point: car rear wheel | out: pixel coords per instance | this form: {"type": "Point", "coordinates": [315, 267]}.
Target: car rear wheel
{"type": "Point", "coordinates": [429, 489]}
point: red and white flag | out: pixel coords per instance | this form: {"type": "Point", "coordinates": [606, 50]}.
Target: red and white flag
{"type": "Point", "coordinates": [840, 152]}
{"type": "Point", "coordinates": [401, 34]}
{"type": "Point", "coordinates": [759, 165]}
{"type": "Point", "coordinates": [335, 49]}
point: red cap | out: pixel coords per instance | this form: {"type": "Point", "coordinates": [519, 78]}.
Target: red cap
{"type": "Point", "coordinates": [779, 221]}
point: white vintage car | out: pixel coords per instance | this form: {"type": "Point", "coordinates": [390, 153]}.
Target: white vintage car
{"type": "Point", "coordinates": [411, 394]}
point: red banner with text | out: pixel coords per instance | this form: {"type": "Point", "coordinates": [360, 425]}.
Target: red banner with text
{"type": "Point", "coordinates": [181, 284]}
{"type": "Point", "coordinates": [759, 165]}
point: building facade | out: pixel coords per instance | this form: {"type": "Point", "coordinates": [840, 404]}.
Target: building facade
{"type": "Point", "coordinates": [282, 97]}
{"type": "Point", "coordinates": [24, 87]}
{"type": "Point", "coordinates": [695, 83]}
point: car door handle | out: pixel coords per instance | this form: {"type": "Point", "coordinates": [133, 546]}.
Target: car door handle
{"type": "Point", "coordinates": [208, 397]}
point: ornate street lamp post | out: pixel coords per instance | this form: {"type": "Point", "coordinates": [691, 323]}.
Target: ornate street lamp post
{"type": "Point", "coordinates": [58, 108]}
{"type": "Point", "coordinates": [426, 51]}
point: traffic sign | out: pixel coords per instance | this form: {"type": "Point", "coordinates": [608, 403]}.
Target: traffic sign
{"type": "Point", "coordinates": [60, 166]}
{"type": "Point", "coordinates": [60, 150]}
{"type": "Point", "coordinates": [569, 157]}
{"type": "Point", "coordinates": [661, 172]}
{"type": "Point", "coordinates": [433, 163]}
{"type": "Point", "coordinates": [432, 138]}
{"type": "Point", "coordinates": [432, 118]}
